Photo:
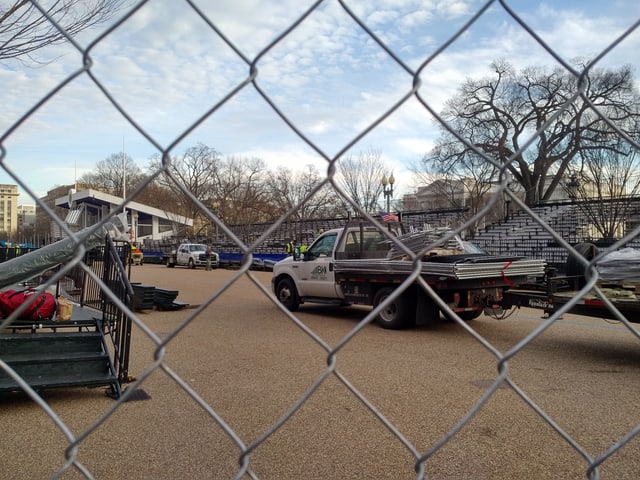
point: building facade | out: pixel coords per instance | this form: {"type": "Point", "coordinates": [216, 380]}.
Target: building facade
{"type": "Point", "coordinates": [26, 215]}
{"type": "Point", "coordinates": [8, 208]}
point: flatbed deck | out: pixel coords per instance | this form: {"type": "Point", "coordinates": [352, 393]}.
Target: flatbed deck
{"type": "Point", "coordinates": [589, 305]}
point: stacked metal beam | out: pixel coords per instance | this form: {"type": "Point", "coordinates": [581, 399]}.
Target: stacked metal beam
{"type": "Point", "coordinates": [464, 268]}
{"type": "Point", "coordinates": [417, 241]}
{"type": "Point", "coordinates": [467, 265]}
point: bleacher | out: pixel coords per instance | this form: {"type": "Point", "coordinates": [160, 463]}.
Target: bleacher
{"type": "Point", "coordinates": [521, 234]}
{"type": "Point", "coordinates": [305, 231]}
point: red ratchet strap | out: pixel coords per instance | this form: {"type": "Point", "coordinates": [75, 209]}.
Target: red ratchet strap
{"type": "Point", "coordinates": [504, 276]}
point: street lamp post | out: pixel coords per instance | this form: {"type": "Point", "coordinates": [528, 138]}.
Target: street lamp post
{"type": "Point", "coordinates": [387, 189]}
{"type": "Point", "coordinates": [135, 226]}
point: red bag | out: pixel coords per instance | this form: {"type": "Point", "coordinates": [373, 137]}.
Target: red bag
{"type": "Point", "coordinates": [42, 308]}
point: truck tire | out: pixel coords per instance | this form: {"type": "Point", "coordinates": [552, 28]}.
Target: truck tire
{"type": "Point", "coordinates": [287, 294]}
{"type": "Point", "coordinates": [574, 268]}
{"type": "Point", "coordinates": [396, 315]}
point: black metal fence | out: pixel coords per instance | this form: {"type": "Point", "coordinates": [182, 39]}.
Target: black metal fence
{"type": "Point", "coordinates": [107, 263]}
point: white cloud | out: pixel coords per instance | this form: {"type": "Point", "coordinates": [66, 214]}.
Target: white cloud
{"type": "Point", "coordinates": [167, 68]}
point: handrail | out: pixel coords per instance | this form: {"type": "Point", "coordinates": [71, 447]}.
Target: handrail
{"type": "Point", "coordinates": [114, 320]}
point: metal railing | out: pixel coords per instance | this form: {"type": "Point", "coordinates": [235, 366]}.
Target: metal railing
{"type": "Point", "coordinates": [251, 81]}
{"type": "Point", "coordinates": [93, 283]}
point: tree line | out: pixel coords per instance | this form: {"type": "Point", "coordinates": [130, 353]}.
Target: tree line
{"type": "Point", "coordinates": [239, 190]}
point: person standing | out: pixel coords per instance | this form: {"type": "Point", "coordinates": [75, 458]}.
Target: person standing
{"type": "Point", "coordinates": [208, 266]}
{"type": "Point", "coordinates": [291, 247]}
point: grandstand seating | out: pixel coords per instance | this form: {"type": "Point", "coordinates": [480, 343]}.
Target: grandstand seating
{"type": "Point", "coordinates": [523, 234]}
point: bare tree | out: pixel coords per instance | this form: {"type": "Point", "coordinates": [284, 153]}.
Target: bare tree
{"type": "Point", "coordinates": [457, 179]}
{"type": "Point", "coordinates": [117, 174]}
{"type": "Point", "coordinates": [241, 194]}
{"type": "Point", "coordinates": [156, 195]}
{"type": "Point", "coordinates": [195, 171]}
{"type": "Point", "coordinates": [288, 189]}
{"type": "Point", "coordinates": [24, 29]}
{"type": "Point", "coordinates": [500, 115]}
{"type": "Point", "coordinates": [360, 176]}
{"type": "Point", "coordinates": [604, 183]}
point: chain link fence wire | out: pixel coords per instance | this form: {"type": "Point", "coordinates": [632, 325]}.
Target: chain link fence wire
{"type": "Point", "coordinates": [247, 445]}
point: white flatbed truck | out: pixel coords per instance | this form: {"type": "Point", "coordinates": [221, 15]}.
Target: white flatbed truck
{"type": "Point", "coordinates": [358, 264]}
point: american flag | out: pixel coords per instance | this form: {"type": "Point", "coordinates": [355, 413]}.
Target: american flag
{"type": "Point", "coordinates": [388, 217]}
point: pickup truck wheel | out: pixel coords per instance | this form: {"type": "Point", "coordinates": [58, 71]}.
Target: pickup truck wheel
{"type": "Point", "coordinates": [397, 314]}
{"type": "Point", "coordinates": [287, 294]}
{"type": "Point", "coordinates": [191, 264]}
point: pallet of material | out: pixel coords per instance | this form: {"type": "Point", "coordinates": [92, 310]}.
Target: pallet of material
{"type": "Point", "coordinates": [143, 296]}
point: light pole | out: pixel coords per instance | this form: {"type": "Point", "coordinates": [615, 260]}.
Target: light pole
{"type": "Point", "coordinates": [135, 226]}
{"type": "Point", "coordinates": [387, 189]}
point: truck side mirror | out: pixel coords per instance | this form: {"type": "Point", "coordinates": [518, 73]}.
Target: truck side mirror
{"type": "Point", "coordinates": [296, 253]}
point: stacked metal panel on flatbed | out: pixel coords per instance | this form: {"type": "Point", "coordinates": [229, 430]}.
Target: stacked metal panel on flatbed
{"type": "Point", "coordinates": [464, 268]}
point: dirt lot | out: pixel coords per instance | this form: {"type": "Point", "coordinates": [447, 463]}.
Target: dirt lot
{"type": "Point", "coordinates": [249, 364]}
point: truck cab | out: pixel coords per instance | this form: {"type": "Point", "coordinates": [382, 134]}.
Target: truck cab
{"type": "Point", "coordinates": [192, 255]}
{"type": "Point", "coordinates": [310, 276]}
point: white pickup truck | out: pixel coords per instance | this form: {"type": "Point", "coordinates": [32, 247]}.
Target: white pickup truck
{"type": "Point", "coordinates": [359, 264]}
{"type": "Point", "coordinates": [191, 255]}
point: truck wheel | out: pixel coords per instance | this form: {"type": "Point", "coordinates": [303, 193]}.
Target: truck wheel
{"type": "Point", "coordinates": [191, 264]}
{"type": "Point", "coordinates": [287, 294]}
{"type": "Point", "coordinates": [573, 266]}
{"type": "Point", "coordinates": [397, 314]}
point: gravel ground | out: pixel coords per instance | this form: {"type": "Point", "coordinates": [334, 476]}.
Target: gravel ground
{"type": "Point", "coordinates": [251, 364]}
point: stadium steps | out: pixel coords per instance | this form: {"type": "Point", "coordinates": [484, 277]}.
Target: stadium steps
{"type": "Point", "coordinates": [57, 359]}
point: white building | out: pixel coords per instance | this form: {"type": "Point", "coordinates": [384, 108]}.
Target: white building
{"type": "Point", "coordinates": [88, 207]}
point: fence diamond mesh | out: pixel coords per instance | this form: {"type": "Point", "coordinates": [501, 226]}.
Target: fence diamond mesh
{"type": "Point", "coordinates": [375, 431]}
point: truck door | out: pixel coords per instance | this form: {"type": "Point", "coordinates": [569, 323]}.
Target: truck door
{"type": "Point", "coordinates": [316, 272]}
{"type": "Point", "coordinates": [183, 254]}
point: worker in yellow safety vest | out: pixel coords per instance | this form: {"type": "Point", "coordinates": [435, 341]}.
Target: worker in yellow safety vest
{"type": "Point", "coordinates": [290, 247]}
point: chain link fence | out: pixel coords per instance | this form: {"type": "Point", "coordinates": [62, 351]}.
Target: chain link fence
{"type": "Point", "coordinates": [419, 455]}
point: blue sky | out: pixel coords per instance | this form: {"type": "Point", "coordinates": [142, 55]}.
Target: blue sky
{"type": "Point", "coordinates": [167, 68]}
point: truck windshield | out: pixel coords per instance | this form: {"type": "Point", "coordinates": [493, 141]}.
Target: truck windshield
{"type": "Point", "coordinates": [323, 247]}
